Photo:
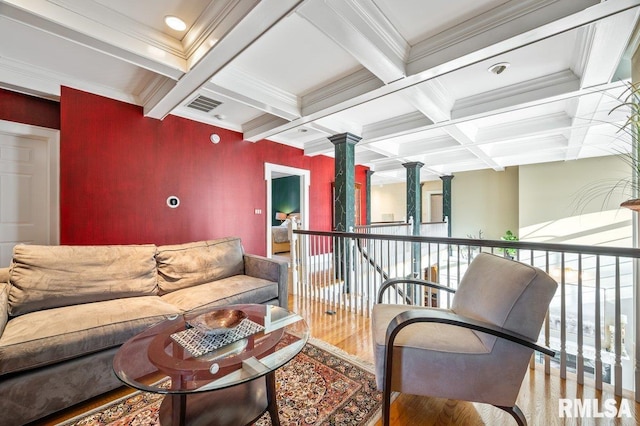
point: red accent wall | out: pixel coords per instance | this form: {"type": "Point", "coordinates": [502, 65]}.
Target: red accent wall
{"type": "Point", "coordinates": [29, 110]}
{"type": "Point", "coordinates": [117, 169]}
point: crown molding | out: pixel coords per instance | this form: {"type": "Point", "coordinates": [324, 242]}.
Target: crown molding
{"type": "Point", "coordinates": [208, 23]}
{"type": "Point", "coordinates": [381, 26]}
{"type": "Point", "coordinates": [581, 53]}
{"type": "Point", "coordinates": [194, 115]}
{"type": "Point", "coordinates": [321, 146]}
{"type": "Point", "coordinates": [355, 84]}
{"type": "Point", "coordinates": [393, 127]}
{"type": "Point", "coordinates": [475, 27]}
{"type": "Point", "coordinates": [47, 84]}
{"type": "Point", "coordinates": [71, 26]}
{"type": "Point", "coordinates": [246, 88]}
{"type": "Point", "coordinates": [255, 130]}
{"type": "Point", "coordinates": [432, 99]}
{"type": "Point", "coordinates": [501, 23]}
{"type": "Point", "coordinates": [99, 15]}
{"type": "Point", "coordinates": [604, 47]}
{"type": "Point", "coordinates": [524, 129]}
{"type": "Point", "coordinates": [549, 86]}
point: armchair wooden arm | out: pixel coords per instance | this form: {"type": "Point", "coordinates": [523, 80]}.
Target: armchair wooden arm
{"type": "Point", "coordinates": [394, 281]}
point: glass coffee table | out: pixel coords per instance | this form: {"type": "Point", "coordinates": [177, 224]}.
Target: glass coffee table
{"type": "Point", "coordinates": [212, 376]}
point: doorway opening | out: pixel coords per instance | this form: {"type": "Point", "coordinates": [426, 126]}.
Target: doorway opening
{"type": "Point", "coordinates": [276, 171]}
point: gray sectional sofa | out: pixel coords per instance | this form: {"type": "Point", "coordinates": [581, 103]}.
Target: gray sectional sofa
{"type": "Point", "coordinates": [65, 310]}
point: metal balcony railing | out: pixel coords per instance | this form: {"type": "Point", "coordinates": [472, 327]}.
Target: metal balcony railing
{"type": "Point", "coordinates": [591, 322]}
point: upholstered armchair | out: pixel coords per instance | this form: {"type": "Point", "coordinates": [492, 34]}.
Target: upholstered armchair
{"type": "Point", "coordinates": [478, 350]}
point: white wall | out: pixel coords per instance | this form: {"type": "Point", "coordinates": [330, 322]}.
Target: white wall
{"type": "Point", "coordinates": [388, 202]}
{"type": "Point", "coordinates": [391, 199]}
{"type": "Point", "coordinates": [571, 202]}
{"type": "Point", "coordinates": [484, 200]}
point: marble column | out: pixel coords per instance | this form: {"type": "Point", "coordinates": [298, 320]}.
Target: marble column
{"type": "Point", "coordinates": [414, 195]}
{"type": "Point", "coordinates": [414, 210]}
{"type": "Point", "coordinates": [345, 185]}
{"type": "Point", "coordinates": [344, 202]}
{"type": "Point", "coordinates": [446, 201]}
{"type": "Point", "coordinates": [369, 173]}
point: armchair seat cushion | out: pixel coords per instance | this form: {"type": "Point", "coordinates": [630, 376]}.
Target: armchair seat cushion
{"type": "Point", "coordinates": [49, 336]}
{"type": "Point", "coordinates": [432, 336]}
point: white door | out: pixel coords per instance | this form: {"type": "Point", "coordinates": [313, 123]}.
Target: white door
{"type": "Point", "coordinates": [28, 197]}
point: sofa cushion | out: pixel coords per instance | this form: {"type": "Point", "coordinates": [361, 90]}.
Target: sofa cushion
{"type": "Point", "coordinates": [44, 277]}
{"type": "Point", "coordinates": [186, 265]}
{"type": "Point", "coordinates": [54, 335]}
{"type": "Point", "coordinates": [228, 291]}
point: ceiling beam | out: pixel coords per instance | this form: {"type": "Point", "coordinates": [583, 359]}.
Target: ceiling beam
{"type": "Point", "coordinates": [241, 28]}
{"type": "Point", "coordinates": [360, 28]}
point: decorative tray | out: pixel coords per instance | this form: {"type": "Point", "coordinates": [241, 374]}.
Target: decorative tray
{"type": "Point", "coordinates": [199, 343]}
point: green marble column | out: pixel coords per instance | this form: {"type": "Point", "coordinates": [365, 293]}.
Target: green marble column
{"type": "Point", "coordinates": [446, 201]}
{"type": "Point", "coordinates": [344, 202]}
{"type": "Point", "coordinates": [414, 210]}
{"type": "Point", "coordinates": [345, 186]}
{"type": "Point", "coordinates": [368, 195]}
{"type": "Point", "coordinates": [414, 195]}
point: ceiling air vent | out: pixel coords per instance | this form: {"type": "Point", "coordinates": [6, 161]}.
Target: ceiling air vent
{"type": "Point", "coordinates": [202, 103]}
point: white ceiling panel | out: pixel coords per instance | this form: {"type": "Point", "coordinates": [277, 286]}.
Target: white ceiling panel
{"type": "Point", "coordinates": [418, 20]}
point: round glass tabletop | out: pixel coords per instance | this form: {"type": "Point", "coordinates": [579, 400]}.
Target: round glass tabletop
{"type": "Point", "coordinates": [181, 355]}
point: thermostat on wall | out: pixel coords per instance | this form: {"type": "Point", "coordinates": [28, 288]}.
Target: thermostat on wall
{"type": "Point", "coordinates": [173, 201]}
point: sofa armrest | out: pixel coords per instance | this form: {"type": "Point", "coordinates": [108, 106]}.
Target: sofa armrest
{"type": "Point", "coordinates": [4, 275]}
{"type": "Point", "coordinates": [272, 270]}
{"type": "Point", "coordinates": [4, 305]}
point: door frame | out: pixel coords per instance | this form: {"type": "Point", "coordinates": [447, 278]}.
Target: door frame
{"type": "Point", "coordinates": [270, 170]}
{"type": "Point", "coordinates": [52, 138]}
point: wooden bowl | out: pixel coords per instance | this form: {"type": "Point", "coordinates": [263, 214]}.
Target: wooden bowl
{"type": "Point", "coordinates": [218, 322]}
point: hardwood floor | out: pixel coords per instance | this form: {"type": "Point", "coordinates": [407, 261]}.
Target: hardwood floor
{"type": "Point", "coordinates": [539, 396]}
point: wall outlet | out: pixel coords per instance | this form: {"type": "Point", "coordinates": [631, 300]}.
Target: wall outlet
{"type": "Point", "coordinates": [258, 211]}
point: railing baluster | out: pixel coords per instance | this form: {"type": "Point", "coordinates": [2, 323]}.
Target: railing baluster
{"type": "Point", "coordinates": [563, 319]}
{"type": "Point", "coordinates": [579, 330]}
{"type": "Point", "coordinates": [547, 341]}
{"type": "Point", "coordinates": [618, 334]}
{"type": "Point", "coordinates": [598, 329]}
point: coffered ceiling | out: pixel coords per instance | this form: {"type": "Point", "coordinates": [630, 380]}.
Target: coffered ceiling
{"type": "Point", "coordinates": [411, 77]}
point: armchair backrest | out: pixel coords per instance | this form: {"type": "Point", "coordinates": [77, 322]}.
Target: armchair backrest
{"type": "Point", "coordinates": [506, 293]}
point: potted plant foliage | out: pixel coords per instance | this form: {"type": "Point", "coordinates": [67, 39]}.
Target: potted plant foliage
{"type": "Point", "coordinates": [626, 133]}
{"type": "Point", "coordinates": [630, 100]}
{"type": "Point", "coordinates": [509, 236]}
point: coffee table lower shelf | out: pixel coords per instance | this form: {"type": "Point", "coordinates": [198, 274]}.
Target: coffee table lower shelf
{"type": "Point", "coordinates": [241, 404]}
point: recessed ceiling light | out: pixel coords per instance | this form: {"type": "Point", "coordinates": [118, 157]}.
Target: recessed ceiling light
{"type": "Point", "coordinates": [499, 68]}
{"type": "Point", "coordinates": [175, 23]}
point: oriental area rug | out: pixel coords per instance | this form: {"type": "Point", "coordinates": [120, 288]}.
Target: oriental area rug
{"type": "Point", "coordinates": [321, 386]}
